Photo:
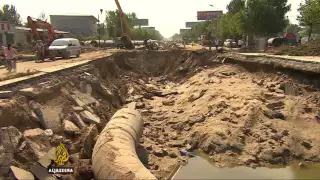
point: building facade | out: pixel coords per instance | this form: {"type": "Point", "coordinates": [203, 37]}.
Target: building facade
{"type": "Point", "coordinates": [7, 33]}
{"type": "Point", "coordinates": [82, 25]}
{"type": "Point", "coordinates": [24, 35]}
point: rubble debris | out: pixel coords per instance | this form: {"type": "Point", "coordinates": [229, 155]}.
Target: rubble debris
{"type": "Point", "coordinates": [89, 139]}
{"type": "Point", "coordinates": [50, 116]}
{"type": "Point", "coordinates": [6, 160]}
{"type": "Point", "coordinates": [84, 170]}
{"type": "Point", "coordinates": [5, 94]}
{"type": "Point", "coordinates": [77, 120]}
{"type": "Point", "coordinates": [197, 95]}
{"type": "Point", "coordinates": [168, 102]}
{"type": "Point", "coordinates": [77, 108]}
{"type": "Point", "coordinates": [29, 92]}
{"type": "Point", "coordinates": [89, 117]}
{"type": "Point", "coordinates": [41, 172]}
{"type": "Point", "coordinates": [37, 141]}
{"type": "Point", "coordinates": [21, 174]}
{"type": "Point", "coordinates": [48, 132]}
{"type": "Point", "coordinates": [86, 99]}
{"type": "Point", "coordinates": [70, 128]}
{"type": "Point", "coordinates": [46, 160]}
{"type": "Point", "coordinates": [306, 144]}
{"type": "Point", "coordinates": [289, 89]}
{"type": "Point", "coordinates": [9, 138]}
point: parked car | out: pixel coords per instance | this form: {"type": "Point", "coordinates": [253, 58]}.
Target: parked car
{"type": "Point", "coordinates": [65, 48]}
{"type": "Point", "coordinates": [230, 43]}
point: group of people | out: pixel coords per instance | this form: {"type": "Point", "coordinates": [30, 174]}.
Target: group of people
{"type": "Point", "coordinates": [9, 57]}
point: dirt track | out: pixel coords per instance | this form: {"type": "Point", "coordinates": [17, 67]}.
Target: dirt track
{"type": "Point", "coordinates": [238, 114]}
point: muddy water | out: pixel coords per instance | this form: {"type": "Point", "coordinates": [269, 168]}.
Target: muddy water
{"type": "Point", "coordinates": [201, 168]}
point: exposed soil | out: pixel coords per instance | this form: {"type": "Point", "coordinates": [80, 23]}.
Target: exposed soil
{"type": "Point", "coordinates": [239, 114]}
{"type": "Point", "coordinates": [310, 48]}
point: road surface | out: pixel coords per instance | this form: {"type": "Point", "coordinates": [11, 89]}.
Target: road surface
{"type": "Point", "coordinates": [29, 66]}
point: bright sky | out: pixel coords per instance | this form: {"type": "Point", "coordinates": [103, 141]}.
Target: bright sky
{"type": "Point", "coordinates": [168, 16]}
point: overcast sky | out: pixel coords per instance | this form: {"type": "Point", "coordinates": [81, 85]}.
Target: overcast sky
{"type": "Point", "coordinates": [168, 16]}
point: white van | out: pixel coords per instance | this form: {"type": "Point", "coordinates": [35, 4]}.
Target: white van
{"type": "Point", "coordinates": [65, 48]}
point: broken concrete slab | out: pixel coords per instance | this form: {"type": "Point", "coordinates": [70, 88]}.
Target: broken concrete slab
{"type": "Point", "coordinates": [5, 160]}
{"type": "Point", "coordinates": [50, 116]}
{"type": "Point", "coordinates": [41, 173]}
{"type": "Point", "coordinates": [46, 160]}
{"type": "Point", "coordinates": [38, 142]}
{"type": "Point", "coordinates": [70, 128]}
{"type": "Point", "coordinates": [21, 174]}
{"type": "Point", "coordinates": [88, 89]}
{"type": "Point", "coordinates": [77, 108]}
{"type": "Point", "coordinates": [89, 117]}
{"type": "Point", "coordinates": [77, 120]}
{"type": "Point", "coordinates": [85, 98]}
{"type": "Point", "coordinates": [9, 138]}
{"type": "Point", "coordinates": [5, 94]}
{"type": "Point", "coordinates": [77, 101]}
{"type": "Point", "coordinates": [29, 92]}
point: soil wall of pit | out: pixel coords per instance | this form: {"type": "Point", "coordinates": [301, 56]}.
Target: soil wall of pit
{"type": "Point", "coordinates": [240, 113]}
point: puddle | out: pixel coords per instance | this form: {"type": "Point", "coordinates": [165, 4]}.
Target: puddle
{"type": "Point", "coordinates": [200, 168]}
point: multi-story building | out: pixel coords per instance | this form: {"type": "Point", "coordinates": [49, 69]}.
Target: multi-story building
{"type": "Point", "coordinates": [7, 31]}
{"type": "Point", "coordinates": [84, 25]}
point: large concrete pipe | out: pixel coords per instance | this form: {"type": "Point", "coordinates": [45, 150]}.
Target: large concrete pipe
{"type": "Point", "coordinates": [114, 154]}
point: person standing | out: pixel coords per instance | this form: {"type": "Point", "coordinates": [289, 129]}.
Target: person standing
{"type": "Point", "coordinates": [11, 60]}
{"type": "Point", "coordinates": [240, 43]}
{"type": "Point", "coordinates": [40, 50]}
{"type": "Point", "coordinates": [217, 44]}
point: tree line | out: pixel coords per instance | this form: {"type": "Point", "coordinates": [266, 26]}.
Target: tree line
{"type": "Point", "coordinates": [114, 28]}
{"type": "Point", "coordinates": [260, 18]}
{"type": "Point", "coordinates": [109, 29]}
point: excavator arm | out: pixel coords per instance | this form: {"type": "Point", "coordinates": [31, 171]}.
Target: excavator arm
{"type": "Point", "coordinates": [123, 19]}
{"type": "Point", "coordinates": [37, 23]}
{"type": "Point", "coordinates": [125, 38]}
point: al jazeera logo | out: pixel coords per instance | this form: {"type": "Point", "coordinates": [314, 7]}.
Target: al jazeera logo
{"type": "Point", "coordinates": [61, 157]}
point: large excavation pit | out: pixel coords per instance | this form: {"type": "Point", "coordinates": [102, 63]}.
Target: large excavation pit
{"type": "Point", "coordinates": [237, 113]}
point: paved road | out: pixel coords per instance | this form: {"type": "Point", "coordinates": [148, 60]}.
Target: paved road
{"type": "Point", "coordinates": [23, 67]}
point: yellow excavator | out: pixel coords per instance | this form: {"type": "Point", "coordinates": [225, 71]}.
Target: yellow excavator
{"type": "Point", "coordinates": [125, 37]}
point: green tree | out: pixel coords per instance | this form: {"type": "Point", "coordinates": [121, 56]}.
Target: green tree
{"type": "Point", "coordinates": [113, 22]}
{"type": "Point", "coordinates": [266, 17]}
{"type": "Point", "coordinates": [235, 6]}
{"type": "Point", "coordinates": [113, 27]}
{"type": "Point", "coordinates": [293, 28]}
{"type": "Point", "coordinates": [141, 34]}
{"type": "Point", "coordinates": [9, 13]}
{"type": "Point", "coordinates": [309, 15]}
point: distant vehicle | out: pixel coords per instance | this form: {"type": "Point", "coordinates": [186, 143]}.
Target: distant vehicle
{"type": "Point", "coordinates": [65, 48]}
{"type": "Point", "coordinates": [287, 39]}
{"type": "Point", "coordinates": [119, 43]}
{"type": "Point", "coordinates": [230, 43]}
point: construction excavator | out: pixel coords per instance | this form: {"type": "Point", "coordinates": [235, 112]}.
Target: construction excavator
{"type": "Point", "coordinates": [125, 37]}
{"type": "Point", "coordinates": [37, 23]}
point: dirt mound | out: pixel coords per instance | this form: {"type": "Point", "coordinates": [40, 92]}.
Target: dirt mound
{"type": "Point", "coordinates": [310, 48]}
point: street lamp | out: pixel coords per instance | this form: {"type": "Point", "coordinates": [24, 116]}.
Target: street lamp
{"type": "Point", "coordinates": [99, 27]}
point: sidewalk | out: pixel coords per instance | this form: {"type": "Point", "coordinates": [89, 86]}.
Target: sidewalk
{"type": "Point", "coordinates": [49, 67]}
{"type": "Point", "coordinates": [312, 59]}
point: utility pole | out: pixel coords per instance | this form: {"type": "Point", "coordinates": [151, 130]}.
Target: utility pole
{"type": "Point", "coordinates": [99, 27]}
{"type": "Point", "coordinates": [98, 30]}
